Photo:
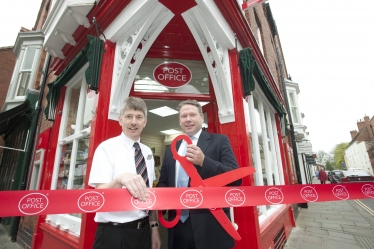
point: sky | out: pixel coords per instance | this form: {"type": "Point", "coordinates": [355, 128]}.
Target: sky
{"type": "Point", "coordinates": [14, 14]}
{"type": "Point", "coordinates": [328, 49]}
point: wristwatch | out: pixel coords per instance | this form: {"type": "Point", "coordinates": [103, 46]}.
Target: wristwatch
{"type": "Point", "coordinates": [154, 225]}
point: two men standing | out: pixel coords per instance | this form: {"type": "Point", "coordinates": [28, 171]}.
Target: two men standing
{"type": "Point", "coordinates": [117, 163]}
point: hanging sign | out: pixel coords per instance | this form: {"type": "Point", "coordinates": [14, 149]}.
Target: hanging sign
{"type": "Point", "coordinates": [172, 74]}
{"type": "Point", "coordinates": [304, 147]}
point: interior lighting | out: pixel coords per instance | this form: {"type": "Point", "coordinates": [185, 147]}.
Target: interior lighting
{"type": "Point", "coordinates": [164, 111]}
{"type": "Point", "coordinates": [170, 132]}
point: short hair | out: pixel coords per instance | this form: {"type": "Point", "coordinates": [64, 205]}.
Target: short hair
{"type": "Point", "coordinates": [134, 103]}
{"type": "Point", "coordinates": [190, 102]}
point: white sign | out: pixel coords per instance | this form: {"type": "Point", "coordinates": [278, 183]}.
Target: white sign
{"type": "Point", "coordinates": [304, 147]}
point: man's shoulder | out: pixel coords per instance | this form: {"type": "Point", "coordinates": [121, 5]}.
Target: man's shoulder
{"type": "Point", "coordinates": [145, 147]}
{"type": "Point", "coordinates": [213, 135]}
{"type": "Point", "coordinates": [110, 142]}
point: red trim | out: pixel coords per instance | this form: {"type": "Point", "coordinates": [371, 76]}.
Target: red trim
{"type": "Point", "coordinates": [105, 12]}
{"type": "Point", "coordinates": [98, 125]}
{"type": "Point", "coordinates": [281, 148]}
{"type": "Point", "coordinates": [245, 217]}
{"type": "Point", "coordinates": [172, 96]}
{"type": "Point", "coordinates": [269, 221]}
{"type": "Point", "coordinates": [58, 236]}
{"type": "Point", "coordinates": [231, 11]}
{"type": "Point", "coordinates": [49, 160]}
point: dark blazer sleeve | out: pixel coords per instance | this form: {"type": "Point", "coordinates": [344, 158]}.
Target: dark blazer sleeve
{"type": "Point", "coordinates": [165, 169]}
{"type": "Point", "coordinates": [219, 157]}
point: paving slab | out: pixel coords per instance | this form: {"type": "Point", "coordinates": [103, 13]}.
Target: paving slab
{"type": "Point", "coordinates": [332, 225]}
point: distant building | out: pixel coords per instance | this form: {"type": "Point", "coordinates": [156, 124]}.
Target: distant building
{"type": "Point", "coordinates": [301, 135]}
{"type": "Point", "coordinates": [360, 151]}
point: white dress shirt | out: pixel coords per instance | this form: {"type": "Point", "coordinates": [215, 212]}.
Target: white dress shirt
{"type": "Point", "coordinates": [113, 157]}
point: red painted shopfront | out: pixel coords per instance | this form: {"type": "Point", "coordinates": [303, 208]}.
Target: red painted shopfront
{"type": "Point", "coordinates": [202, 39]}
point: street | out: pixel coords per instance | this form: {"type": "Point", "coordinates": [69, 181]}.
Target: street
{"type": "Point", "coordinates": [367, 204]}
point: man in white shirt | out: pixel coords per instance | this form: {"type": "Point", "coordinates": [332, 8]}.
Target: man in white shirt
{"type": "Point", "coordinates": [124, 162]}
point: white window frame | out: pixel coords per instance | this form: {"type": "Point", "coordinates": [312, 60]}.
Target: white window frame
{"type": "Point", "coordinates": [294, 106]}
{"type": "Point", "coordinates": [259, 42]}
{"type": "Point", "coordinates": [68, 222]}
{"type": "Point", "coordinates": [37, 171]}
{"type": "Point", "coordinates": [273, 161]}
{"type": "Point", "coordinates": [14, 85]}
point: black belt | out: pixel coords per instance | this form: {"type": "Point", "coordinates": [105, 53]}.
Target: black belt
{"type": "Point", "coordinates": [132, 224]}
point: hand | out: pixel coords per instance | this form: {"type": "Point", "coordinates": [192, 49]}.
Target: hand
{"type": "Point", "coordinates": [156, 240]}
{"type": "Point", "coordinates": [195, 155]}
{"type": "Point", "coordinates": [135, 185]}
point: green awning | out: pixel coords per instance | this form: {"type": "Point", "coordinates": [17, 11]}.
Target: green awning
{"type": "Point", "coordinates": [91, 53]}
{"type": "Point", "coordinates": [9, 118]}
{"type": "Point", "coordinates": [94, 56]}
{"type": "Point", "coordinates": [250, 70]}
{"type": "Point", "coordinates": [247, 63]}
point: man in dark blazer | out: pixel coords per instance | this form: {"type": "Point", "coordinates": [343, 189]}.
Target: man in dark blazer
{"type": "Point", "coordinates": [211, 155]}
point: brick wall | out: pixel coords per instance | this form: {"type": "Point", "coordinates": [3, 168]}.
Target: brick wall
{"type": "Point", "coordinates": [257, 18]}
{"type": "Point", "coordinates": [7, 63]}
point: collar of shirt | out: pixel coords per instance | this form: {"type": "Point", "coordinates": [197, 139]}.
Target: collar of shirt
{"type": "Point", "coordinates": [128, 142]}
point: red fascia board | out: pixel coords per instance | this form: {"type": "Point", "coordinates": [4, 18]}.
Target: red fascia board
{"type": "Point", "coordinates": [251, 4]}
{"type": "Point", "coordinates": [234, 17]}
{"type": "Point", "coordinates": [105, 12]}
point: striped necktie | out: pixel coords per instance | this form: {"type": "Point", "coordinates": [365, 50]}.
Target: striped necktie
{"type": "Point", "coordinates": [141, 168]}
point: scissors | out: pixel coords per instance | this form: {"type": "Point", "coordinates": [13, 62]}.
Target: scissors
{"type": "Point", "coordinates": [215, 181]}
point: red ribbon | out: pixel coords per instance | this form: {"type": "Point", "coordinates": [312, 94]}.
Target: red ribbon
{"type": "Point", "coordinates": [22, 203]}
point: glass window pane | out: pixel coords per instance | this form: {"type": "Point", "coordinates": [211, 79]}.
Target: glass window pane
{"type": "Point", "coordinates": [63, 173]}
{"type": "Point", "coordinates": [199, 84]}
{"type": "Point", "coordinates": [88, 108]}
{"type": "Point", "coordinates": [29, 58]}
{"type": "Point", "coordinates": [24, 78]}
{"type": "Point", "coordinates": [72, 111]}
{"type": "Point", "coordinates": [81, 163]}
{"type": "Point", "coordinates": [292, 99]}
{"type": "Point", "coordinates": [294, 115]}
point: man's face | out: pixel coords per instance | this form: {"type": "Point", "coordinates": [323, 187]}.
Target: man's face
{"type": "Point", "coordinates": [132, 123]}
{"type": "Point", "coordinates": [190, 119]}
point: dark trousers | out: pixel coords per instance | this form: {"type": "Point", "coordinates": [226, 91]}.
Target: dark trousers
{"type": "Point", "coordinates": [183, 235]}
{"type": "Point", "coordinates": [114, 237]}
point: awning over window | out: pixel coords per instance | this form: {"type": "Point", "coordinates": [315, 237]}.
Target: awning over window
{"type": "Point", "coordinates": [249, 69]}
{"type": "Point", "coordinates": [91, 53]}
{"type": "Point", "coordinates": [9, 118]}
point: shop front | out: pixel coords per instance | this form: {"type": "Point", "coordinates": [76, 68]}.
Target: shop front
{"type": "Point", "coordinates": [163, 52]}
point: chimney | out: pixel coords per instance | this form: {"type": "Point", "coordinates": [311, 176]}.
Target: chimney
{"type": "Point", "coordinates": [367, 120]}
{"type": "Point", "coordinates": [353, 133]}
{"type": "Point", "coordinates": [360, 124]}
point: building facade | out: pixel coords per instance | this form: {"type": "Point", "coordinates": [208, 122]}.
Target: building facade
{"type": "Point", "coordinates": [360, 151]}
{"type": "Point", "coordinates": [303, 145]}
{"type": "Point", "coordinates": [104, 51]}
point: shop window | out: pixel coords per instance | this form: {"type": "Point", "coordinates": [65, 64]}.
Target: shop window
{"type": "Point", "coordinates": [263, 141]}
{"type": "Point", "coordinates": [199, 83]}
{"type": "Point", "coordinates": [72, 150]}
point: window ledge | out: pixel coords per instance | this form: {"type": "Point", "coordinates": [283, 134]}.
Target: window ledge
{"type": "Point", "coordinates": [11, 103]}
